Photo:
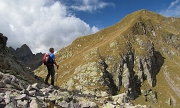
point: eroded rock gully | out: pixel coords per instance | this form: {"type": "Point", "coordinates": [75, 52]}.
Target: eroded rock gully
{"type": "Point", "coordinates": [124, 75]}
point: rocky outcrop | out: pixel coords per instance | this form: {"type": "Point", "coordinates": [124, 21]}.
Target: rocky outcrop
{"type": "Point", "coordinates": [108, 79]}
{"type": "Point", "coordinates": [25, 55]}
{"type": "Point", "coordinates": [15, 93]}
{"type": "Point", "coordinates": [3, 40]}
{"type": "Point", "coordinates": [123, 74]}
{"type": "Point", "coordinates": [10, 64]}
{"type": "Point", "coordinates": [143, 27]}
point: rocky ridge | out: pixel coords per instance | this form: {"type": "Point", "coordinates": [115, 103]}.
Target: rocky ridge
{"type": "Point", "coordinates": [25, 55]}
{"type": "Point", "coordinates": [20, 88]}
{"type": "Point", "coordinates": [138, 56]}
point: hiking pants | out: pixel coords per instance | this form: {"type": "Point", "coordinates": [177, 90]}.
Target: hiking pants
{"type": "Point", "coordinates": [51, 73]}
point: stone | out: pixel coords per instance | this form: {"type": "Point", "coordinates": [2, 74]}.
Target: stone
{"type": "Point", "coordinates": [40, 98]}
{"type": "Point", "coordinates": [11, 105]}
{"type": "Point", "coordinates": [21, 97]}
{"type": "Point", "coordinates": [88, 104]}
{"type": "Point", "coordinates": [46, 94]}
{"type": "Point", "coordinates": [34, 104]}
{"type": "Point", "coordinates": [29, 88]}
{"type": "Point", "coordinates": [1, 98]}
{"type": "Point", "coordinates": [32, 92]}
{"type": "Point", "coordinates": [76, 105]}
{"type": "Point", "coordinates": [64, 104]}
{"type": "Point", "coordinates": [2, 105]}
{"type": "Point", "coordinates": [22, 104]}
{"type": "Point", "coordinates": [24, 91]}
{"type": "Point", "coordinates": [7, 97]}
{"type": "Point", "coordinates": [36, 86]}
{"type": "Point", "coordinates": [169, 101]}
{"type": "Point", "coordinates": [7, 81]}
{"type": "Point", "coordinates": [39, 93]}
{"type": "Point", "coordinates": [2, 85]}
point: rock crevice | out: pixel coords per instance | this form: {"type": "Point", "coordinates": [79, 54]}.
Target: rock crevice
{"type": "Point", "coordinates": [123, 74]}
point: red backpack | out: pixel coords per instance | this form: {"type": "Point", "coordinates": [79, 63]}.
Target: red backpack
{"type": "Point", "coordinates": [46, 59]}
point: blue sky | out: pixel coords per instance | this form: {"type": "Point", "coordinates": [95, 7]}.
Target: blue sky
{"type": "Point", "coordinates": [115, 10]}
{"type": "Point", "coordinates": [56, 23]}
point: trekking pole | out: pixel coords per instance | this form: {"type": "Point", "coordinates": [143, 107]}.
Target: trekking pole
{"type": "Point", "coordinates": [56, 76]}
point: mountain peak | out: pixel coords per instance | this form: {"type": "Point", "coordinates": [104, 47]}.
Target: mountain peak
{"type": "Point", "coordinates": [24, 49]}
{"type": "Point", "coordinates": [24, 46]}
{"type": "Point", "coordinates": [25, 55]}
{"type": "Point", "coordinates": [137, 56]}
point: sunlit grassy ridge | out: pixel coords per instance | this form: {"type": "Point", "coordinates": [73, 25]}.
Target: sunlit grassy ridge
{"type": "Point", "coordinates": [141, 29]}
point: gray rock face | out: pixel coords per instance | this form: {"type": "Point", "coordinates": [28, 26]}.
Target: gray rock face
{"type": "Point", "coordinates": [25, 55]}
{"type": "Point", "coordinates": [124, 75]}
{"type": "Point", "coordinates": [3, 40]}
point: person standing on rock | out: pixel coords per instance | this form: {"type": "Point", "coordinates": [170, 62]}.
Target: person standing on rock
{"type": "Point", "coordinates": [50, 67]}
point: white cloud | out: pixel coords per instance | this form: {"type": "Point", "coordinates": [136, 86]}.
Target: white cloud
{"type": "Point", "coordinates": [90, 5]}
{"type": "Point", "coordinates": [173, 3]}
{"type": "Point", "coordinates": [172, 10]}
{"type": "Point", "coordinates": [40, 24]}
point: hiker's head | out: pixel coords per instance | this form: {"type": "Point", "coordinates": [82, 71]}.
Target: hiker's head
{"type": "Point", "coordinates": [51, 50]}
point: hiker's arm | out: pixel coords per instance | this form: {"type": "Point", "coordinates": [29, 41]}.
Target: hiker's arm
{"type": "Point", "coordinates": [55, 63]}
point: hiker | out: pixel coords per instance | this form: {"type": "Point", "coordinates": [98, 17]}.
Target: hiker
{"type": "Point", "coordinates": [50, 67]}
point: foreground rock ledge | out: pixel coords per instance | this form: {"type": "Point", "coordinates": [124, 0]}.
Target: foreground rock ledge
{"type": "Point", "coordinates": [15, 93]}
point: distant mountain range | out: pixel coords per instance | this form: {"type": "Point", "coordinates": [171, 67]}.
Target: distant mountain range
{"type": "Point", "coordinates": [140, 56]}
{"type": "Point", "coordinates": [25, 55]}
{"type": "Point", "coordinates": [133, 63]}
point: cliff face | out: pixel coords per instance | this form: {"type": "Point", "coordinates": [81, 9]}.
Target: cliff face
{"type": "Point", "coordinates": [139, 56]}
{"type": "Point", "coordinates": [3, 40]}
{"type": "Point", "coordinates": [10, 64]}
{"type": "Point", "coordinates": [25, 55]}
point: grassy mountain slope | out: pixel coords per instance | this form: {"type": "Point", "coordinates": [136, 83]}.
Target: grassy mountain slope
{"type": "Point", "coordinates": [79, 62]}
